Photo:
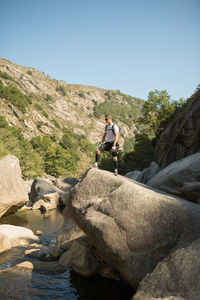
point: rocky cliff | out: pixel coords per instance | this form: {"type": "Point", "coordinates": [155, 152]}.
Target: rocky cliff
{"type": "Point", "coordinates": [182, 137]}
{"type": "Point", "coordinates": [53, 105]}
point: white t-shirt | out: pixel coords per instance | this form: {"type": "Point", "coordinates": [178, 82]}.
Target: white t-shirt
{"type": "Point", "coordinates": [109, 130]}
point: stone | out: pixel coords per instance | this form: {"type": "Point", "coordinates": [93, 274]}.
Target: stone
{"type": "Point", "coordinates": [69, 231]}
{"type": "Point", "coordinates": [37, 252]}
{"type": "Point", "coordinates": [181, 138]}
{"type": "Point", "coordinates": [38, 204]}
{"type": "Point", "coordinates": [177, 275]}
{"type": "Point", "coordinates": [66, 184]}
{"type": "Point", "coordinates": [13, 194]}
{"type": "Point", "coordinates": [148, 173]}
{"type": "Point", "coordinates": [80, 258]}
{"type": "Point", "coordinates": [132, 226]}
{"type": "Point", "coordinates": [41, 187]}
{"type": "Point", "coordinates": [51, 201]}
{"type": "Point", "coordinates": [15, 236]}
{"type": "Point", "coordinates": [180, 176]}
{"type": "Point", "coordinates": [55, 252]}
{"type": "Point", "coordinates": [133, 174]}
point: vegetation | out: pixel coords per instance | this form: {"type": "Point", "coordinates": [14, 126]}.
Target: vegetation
{"type": "Point", "coordinates": [126, 111]}
{"type": "Point", "coordinates": [13, 142]}
{"type": "Point", "coordinates": [43, 155]}
{"type": "Point", "coordinates": [13, 95]}
{"type": "Point", "coordinates": [62, 159]}
{"type": "Point", "coordinates": [61, 89]}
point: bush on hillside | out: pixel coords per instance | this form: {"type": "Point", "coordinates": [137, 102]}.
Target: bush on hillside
{"type": "Point", "coordinates": [13, 95]}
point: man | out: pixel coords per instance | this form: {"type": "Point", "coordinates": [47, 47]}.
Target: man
{"type": "Point", "coordinates": [109, 142]}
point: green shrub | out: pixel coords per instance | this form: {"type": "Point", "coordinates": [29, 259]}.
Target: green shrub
{"type": "Point", "coordinates": [45, 114]}
{"type": "Point", "coordinates": [13, 95]}
{"type": "Point", "coordinates": [61, 89]}
{"type": "Point", "coordinates": [38, 106]}
{"type": "Point", "coordinates": [56, 123]}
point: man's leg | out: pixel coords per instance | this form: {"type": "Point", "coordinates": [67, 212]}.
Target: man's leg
{"type": "Point", "coordinates": [115, 160]}
{"type": "Point", "coordinates": [97, 158]}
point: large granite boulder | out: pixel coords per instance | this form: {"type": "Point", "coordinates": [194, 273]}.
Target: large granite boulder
{"type": "Point", "coordinates": [13, 194]}
{"type": "Point", "coordinates": [69, 231]}
{"type": "Point", "coordinates": [133, 227]}
{"type": "Point", "coordinates": [182, 137]}
{"type": "Point", "coordinates": [15, 236]}
{"type": "Point", "coordinates": [41, 187]}
{"type": "Point", "coordinates": [182, 177]}
{"type": "Point", "coordinates": [177, 275]}
{"type": "Point", "coordinates": [65, 184]}
{"type": "Point", "coordinates": [148, 173]}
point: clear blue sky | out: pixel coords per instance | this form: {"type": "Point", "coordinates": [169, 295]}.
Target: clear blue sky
{"type": "Point", "coordinates": [130, 45]}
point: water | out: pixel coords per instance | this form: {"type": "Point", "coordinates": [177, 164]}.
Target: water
{"type": "Point", "coordinates": [34, 285]}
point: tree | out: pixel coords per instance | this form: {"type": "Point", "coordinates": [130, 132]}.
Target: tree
{"type": "Point", "coordinates": [156, 110]}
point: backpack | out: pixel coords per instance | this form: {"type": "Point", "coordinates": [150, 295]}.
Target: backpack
{"type": "Point", "coordinates": [112, 128]}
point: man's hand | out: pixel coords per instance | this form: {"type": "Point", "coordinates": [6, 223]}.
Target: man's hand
{"type": "Point", "coordinates": [113, 148]}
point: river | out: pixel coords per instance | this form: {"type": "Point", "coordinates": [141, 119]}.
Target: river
{"type": "Point", "coordinates": [34, 285]}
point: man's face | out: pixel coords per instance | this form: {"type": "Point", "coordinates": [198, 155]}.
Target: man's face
{"type": "Point", "coordinates": [108, 120]}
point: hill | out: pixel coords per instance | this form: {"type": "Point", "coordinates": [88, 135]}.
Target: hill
{"type": "Point", "coordinates": [44, 108]}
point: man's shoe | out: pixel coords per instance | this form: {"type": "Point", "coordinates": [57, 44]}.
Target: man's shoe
{"type": "Point", "coordinates": [116, 173]}
{"type": "Point", "coordinates": [94, 166]}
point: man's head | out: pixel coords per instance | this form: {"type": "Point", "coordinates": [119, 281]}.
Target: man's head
{"type": "Point", "coordinates": [108, 119]}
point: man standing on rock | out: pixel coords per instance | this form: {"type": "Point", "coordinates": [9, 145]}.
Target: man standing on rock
{"type": "Point", "coordinates": [109, 142]}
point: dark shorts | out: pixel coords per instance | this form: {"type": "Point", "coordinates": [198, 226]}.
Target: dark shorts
{"type": "Point", "coordinates": [108, 147]}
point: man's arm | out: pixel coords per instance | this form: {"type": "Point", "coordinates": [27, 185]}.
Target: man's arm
{"type": "Point", "coordinates": [104, 137]}
{"type": "Point", "coordinates": [116, 138]}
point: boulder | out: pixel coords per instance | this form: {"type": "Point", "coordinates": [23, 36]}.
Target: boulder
{"type": "Point", "coordinates": [148, 173]}
{"type": "Point", "coordinates": [80, 258]}
{"type": "Point", "coordinates": [69, 231]}
{"type": "Point", "coordinates": [51, 201]}
{"type": "Point", "coordinates": [51, 267]}
{"type": "Point", "coordinates": [179, 177]}
{"type": "Point", "coordinates": [13, 194]}
{"type": "Point", "coordinates": [41, 187]}
{"type": "Point", "coordinates": [178, 275]}
{"type": "Point", "coordinates": [133, 174]}
{"type": "Point", "coordinates": [65, 184]}
{"type": "Point", "coordinates": [15, 236]}
{"type": "Point", "coordinates": [132, 226]}
{"type": "Point", "coordinates": [181, 138]}
{"type": "Point", "coordinates": [55, 252]}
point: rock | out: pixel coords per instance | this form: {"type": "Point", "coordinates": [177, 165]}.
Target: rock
{"type": "Point", "coordinates": [15, 236]}
{"type": "Point", "coordinates": [38, 204]}
{"type": "Point", "coordinates": [190, 191]}
{"type": "Point", "coordinates": [37, 252]}
{"type": "Point", "coordinates": [148, 297]}
{"type": "Point", "coordinates": [179, 174]}
{"type": "Point", "coordinates": [148, 173]}
{"type": "Point", "coordinates": [80, 258]}
{"type": "Point", "coordinates": [133, 174]}
{"type": "Point", "coordinates": [132, 226]}
{"type": "Point", "coordinates": [39, 232]}
{"type": "Point", "coordinates": [41, 187]}
{"type": "Point", "coordinates": [13, 194]}
{"type": "Point", "coordinates": [181, 138]}
{"type": "Point", "coordinates": [145, 175]}
{"type": "Point", "coordinates": [51, 201]}
{"type": "Point", "coordinates": [45, 267]}
{"type": "Point", "coordinates": [28, 184]}
{"type": "Point", "coordinates": [68, 232]}
{"type": "Point", "coordinates": [66, 184]}
{"type": "Point", "coordinates": [55, 252]}
{"type": "Point", "coordinates": [177, 275]}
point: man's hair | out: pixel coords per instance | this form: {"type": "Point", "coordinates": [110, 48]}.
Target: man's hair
{"type": "Point", "coordinates": [108, 116]}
